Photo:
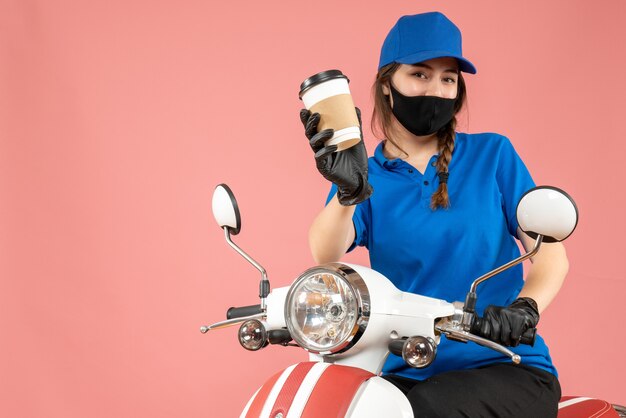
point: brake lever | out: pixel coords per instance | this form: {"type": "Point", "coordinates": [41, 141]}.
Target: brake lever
{"type": "Point", "coordinates": [458, 334]}
{"type": "Point", "coordinates": [231, 322]}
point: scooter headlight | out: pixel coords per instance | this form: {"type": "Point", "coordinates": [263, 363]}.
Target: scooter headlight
{"type": "Point", "coordinates": [327, 309]}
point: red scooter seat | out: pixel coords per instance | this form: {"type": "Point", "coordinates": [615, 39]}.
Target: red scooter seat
{"type": "Point", "coordinates": [579, 407]}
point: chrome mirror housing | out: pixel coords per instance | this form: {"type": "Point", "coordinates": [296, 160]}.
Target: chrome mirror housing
{"type": "Point", "coordinates": [547, 211]}
{"type": "Point", "coordinates": [225, 209]}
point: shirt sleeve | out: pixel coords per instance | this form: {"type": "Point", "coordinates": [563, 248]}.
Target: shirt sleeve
{"type": "Point", "coordinates": [513, 180]}
{"type": "Point", "coordinates": [359, 220]}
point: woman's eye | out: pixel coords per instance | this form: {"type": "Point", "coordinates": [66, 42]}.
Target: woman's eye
{"type": "Point", "coordinates": [449, 80]}
{"type": "Point", "coordinates": [420, 75]}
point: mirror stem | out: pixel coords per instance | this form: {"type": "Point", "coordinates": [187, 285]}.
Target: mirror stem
{"type": "Point", "coordinates": [518, 260]}
{"type": "Point", "coordinates": [470, 300]}
{"type": "Point", "coordinates": [264, 287]}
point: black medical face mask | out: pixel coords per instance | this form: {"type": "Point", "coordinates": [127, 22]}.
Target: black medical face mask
{"type": "Point", "coordinates": [421, 115]}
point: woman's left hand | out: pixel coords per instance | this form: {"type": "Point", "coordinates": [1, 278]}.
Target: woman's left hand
{"type": "Point", "coordinates": [506, 325]}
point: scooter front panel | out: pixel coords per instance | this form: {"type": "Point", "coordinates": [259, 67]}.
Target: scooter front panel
{"type": "Point", "coordinates": [377, 398]}
{"type": "Point", "coordinates": [308, 390]}
{"type": "Point", "coordinates": [264, 393]}
{"type": "Point", "coordinates": [334, 392]}
{"type": "Point", "coordinates": [298, 383]}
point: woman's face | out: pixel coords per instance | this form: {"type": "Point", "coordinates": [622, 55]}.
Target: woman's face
{"type": "Point", "coordinates": [437, 77]}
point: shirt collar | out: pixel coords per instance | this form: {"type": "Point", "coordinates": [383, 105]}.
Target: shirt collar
{"type": "Point", "coordinates": [380, 157]}
{"type": "Point", "coordinates": [384, 161]}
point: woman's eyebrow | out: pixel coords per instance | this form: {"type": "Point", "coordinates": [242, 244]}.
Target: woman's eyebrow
{"type": "Point", "coordinates": [449, 70]}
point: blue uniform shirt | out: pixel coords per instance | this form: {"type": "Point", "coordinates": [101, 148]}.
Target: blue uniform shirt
{"type": "Point", "coordinates": [439, 253]}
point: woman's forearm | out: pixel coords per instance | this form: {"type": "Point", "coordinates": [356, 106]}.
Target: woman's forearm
{"type": "Point", "coordinates": [546, 275]}
{"type": "Point", "coordinates": [332, 232]}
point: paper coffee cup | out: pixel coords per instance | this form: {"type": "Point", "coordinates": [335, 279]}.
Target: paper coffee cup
{"type": "Point", "coordinates": [328, 94]}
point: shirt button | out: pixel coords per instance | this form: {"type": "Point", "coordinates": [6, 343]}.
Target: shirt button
{"type": "Point", "coordinates": [395, 163]}
{"type": "Point", "coordinates": [410, 171]}
{"type": "Point", "coordinates": [434, 163]}
{"type": "Point", "coordinates": [426, 182]}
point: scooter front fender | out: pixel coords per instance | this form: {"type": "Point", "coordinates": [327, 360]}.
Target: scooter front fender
{"type": "Point", "coordinates": [313, 390]}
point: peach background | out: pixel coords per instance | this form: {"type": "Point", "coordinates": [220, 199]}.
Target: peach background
{"type": "Point", "coordinates": [118, 118]}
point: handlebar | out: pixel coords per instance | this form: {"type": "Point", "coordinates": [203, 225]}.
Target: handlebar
{"type": "Point", "coordinates": [239, 312]}
{"type": "Point", "coordinates": [455, 332]}
{"type": "Point", "coordinates": [528, 337]}
{"type": "Point", "coordinates": [235, 316]}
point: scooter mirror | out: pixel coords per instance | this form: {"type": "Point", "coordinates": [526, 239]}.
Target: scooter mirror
{"type": "Point", "coordinates": [225, 209]}
{"type": "Point", "coordinates": [547, 211]}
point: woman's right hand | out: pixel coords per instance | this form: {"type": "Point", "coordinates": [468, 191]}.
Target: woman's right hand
{"type": "Point", "coordinates": [347, 168]}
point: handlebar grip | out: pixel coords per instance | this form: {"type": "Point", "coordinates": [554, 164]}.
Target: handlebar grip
{"type": "Point", "coordinates": [528, 337]}
{"type": "Point", "coordinates": [242, 311]}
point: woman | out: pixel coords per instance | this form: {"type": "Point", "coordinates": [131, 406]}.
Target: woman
{"type": "Point", "coordinates": [436, 209]}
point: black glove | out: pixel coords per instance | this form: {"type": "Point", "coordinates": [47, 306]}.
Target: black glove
{"type": "Point", "coordinates": [346, 168]}
{"type": "Point", "coordinates": [505, 325]}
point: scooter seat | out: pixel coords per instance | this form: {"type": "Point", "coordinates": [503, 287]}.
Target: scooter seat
{"type": "Point", "coordinates": [579, 407]}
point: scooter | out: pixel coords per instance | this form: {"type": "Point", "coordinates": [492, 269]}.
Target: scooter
{"type": "Point", "coordinates": [350, 318]}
